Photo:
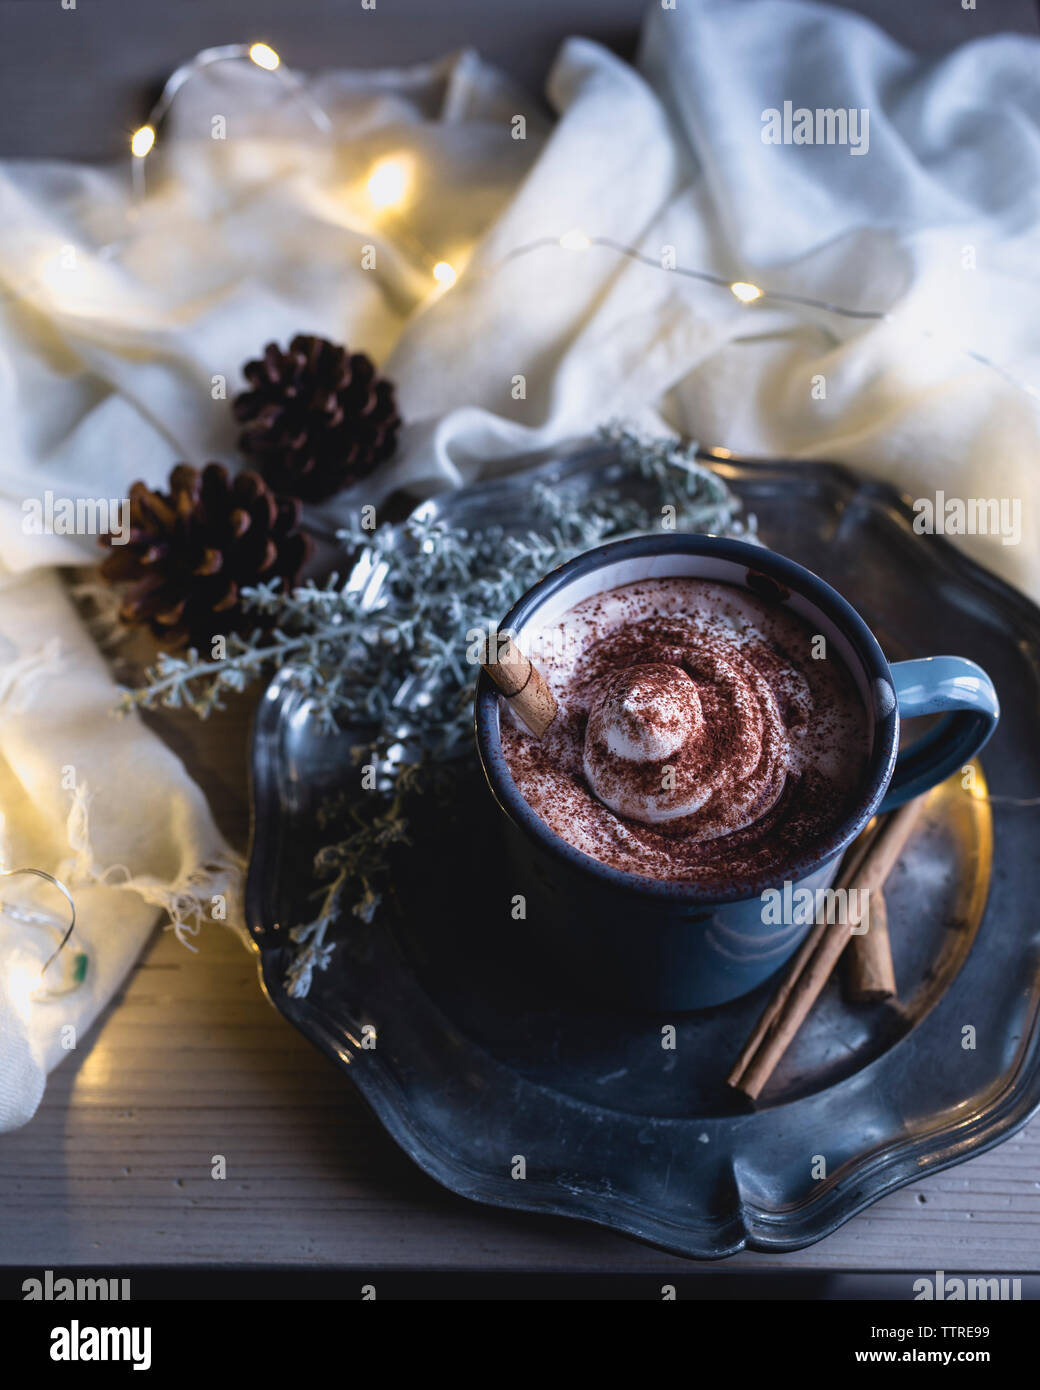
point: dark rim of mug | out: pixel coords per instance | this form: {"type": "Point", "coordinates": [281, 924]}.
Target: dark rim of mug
{"type": "Point", "coordinates": [759, 560]}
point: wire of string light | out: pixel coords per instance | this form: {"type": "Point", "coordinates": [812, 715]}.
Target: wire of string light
{"type": "Point", "coordinates": [262, 55]}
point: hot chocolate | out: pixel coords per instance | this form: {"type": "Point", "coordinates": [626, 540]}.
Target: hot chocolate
{"type": "Point", "coordinates": [703, 734]}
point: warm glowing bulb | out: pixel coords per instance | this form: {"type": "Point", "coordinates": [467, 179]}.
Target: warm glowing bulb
{"type": "Point", "coordinates": [386, 183]}
{"type": "Point", "coordinates": [142, 141]}
{"type": "Point", "coordinates": [575, 241]}
{"type": "Point", "coordinates": [264, 56]}
{"type": "Point", "coordinates": [746, 293]}
{"type": "Point", "coordinates": [443, 272]}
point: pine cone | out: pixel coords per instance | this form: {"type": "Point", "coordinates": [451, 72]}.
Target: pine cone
{"type": "Point", "coordinates": [191, 551]}
{"type": "Point", "coordinates": [317, 418]}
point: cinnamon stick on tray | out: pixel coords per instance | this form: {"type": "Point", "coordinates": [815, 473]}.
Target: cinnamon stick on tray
{"type": "Point", "coordinates": [868, 975]}
{"type": "Point", "coordinates": [869, 864]}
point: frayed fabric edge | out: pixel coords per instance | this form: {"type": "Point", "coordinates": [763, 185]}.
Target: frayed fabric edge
{"type": "Point", "coordinates": [211, 890]}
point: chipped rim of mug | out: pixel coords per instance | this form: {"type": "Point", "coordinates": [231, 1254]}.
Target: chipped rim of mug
{"type": "Point", "coordinates": [753, 557]}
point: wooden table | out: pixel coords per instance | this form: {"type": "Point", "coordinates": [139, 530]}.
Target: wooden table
{"type": "Point", "coordinates": [190, 1061]}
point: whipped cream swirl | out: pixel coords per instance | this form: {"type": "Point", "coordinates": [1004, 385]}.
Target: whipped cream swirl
{"type": "Point", "coordinates": [698, 737]}
{"type": "Point", "coordinates": [702, 739]}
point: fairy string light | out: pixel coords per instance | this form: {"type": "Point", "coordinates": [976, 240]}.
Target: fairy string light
{"type": "Point", "coordinates": [387, 188]}
{"type": "Point", "coordinates": [387, 183]}
{"type": "Point", "coordinates": [27, 982]}
{"type": "Point", "coordinates": [261, 55]}
{"type": "Point", "coordinates": [747, 293]}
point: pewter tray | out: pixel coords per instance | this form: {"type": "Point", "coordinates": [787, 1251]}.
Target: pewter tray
{"type": "Point", "coordinates": [479, 1060]}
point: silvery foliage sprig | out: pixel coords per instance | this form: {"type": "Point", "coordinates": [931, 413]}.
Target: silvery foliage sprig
{"type": "Point", "coordinates": [397, 673]}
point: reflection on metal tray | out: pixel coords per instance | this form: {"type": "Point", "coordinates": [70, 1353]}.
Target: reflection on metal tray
{"type": "Point", "coordinates": [478, 1060]}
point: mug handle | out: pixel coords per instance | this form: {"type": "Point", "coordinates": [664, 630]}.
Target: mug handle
{"type": "Point", "coordinates": [949, 685]}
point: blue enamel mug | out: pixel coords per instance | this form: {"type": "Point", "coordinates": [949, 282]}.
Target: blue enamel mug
{"type": "Point", "coordinates": [644, 942]}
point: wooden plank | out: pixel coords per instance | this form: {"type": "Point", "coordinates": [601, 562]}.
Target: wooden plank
{"type": "Point", "coordinates": [192, 1062]}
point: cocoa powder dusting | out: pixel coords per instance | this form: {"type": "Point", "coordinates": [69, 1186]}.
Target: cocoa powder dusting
{"type": "Point", "coordinates": [697, 737]}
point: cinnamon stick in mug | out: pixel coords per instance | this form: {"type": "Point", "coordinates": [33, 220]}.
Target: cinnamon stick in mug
{"type": "Point", "coordinates": [523, 685]}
